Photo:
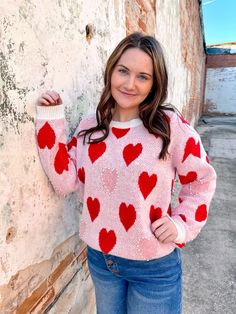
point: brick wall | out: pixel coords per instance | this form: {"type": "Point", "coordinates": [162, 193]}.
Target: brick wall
{"type": "Point", "coordinates": [220, 92]}
{"type": "Point", "coordinates": [221, 61]}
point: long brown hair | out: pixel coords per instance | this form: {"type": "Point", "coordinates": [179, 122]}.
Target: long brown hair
{"type": "Point", "coordinates": [151, 110]}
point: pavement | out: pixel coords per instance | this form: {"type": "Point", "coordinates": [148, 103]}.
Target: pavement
{"type": "Point", "coordinates": [209, 262]}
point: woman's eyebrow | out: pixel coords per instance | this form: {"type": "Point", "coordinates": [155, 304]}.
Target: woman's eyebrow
{"type": "Point", "coordinates": [121, 65]}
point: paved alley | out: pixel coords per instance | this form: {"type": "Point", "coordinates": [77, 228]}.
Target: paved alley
{"type": "Point", "coordinates": [209, 262]}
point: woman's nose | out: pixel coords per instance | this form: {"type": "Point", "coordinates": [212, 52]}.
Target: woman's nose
{"type": "Point", "coordinates": [130, 83]}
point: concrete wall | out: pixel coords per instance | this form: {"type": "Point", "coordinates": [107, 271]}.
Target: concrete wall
{"type": "Point", "coordinates": [220, 93]}
{"type": "Point", "coordinates": [179, 30]}
{"type": "Point", "coordinates": [63, 45]}
{"type": "Point", "coordinates": [44, 46]}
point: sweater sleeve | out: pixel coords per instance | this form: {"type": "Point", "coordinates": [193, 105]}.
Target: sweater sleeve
{"type": "Point", "coordinates": [58, 156]}
{"type": "Point", "coordinates": [197, 178]}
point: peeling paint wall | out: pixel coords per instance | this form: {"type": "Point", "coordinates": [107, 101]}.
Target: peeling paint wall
{"type": "Point", "coordinates": [44, 45]}
{"type": "Point", "coordinates": [63, 45]}
{"type": "Point", "coordinates": [220, 93]}
{"type": "Point", "coordinates": [179, 31]}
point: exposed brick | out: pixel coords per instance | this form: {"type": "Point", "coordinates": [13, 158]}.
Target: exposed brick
{"type": "Point", "coordinates": [61, 267]}
{"type": "Point", "coordinates": [192, 56]}
{"type": "Point", "coordinates": [43, 303]}
{"type": "Point", "coordinates": [143, 5]}
{"type": "Point", "coordinates": [221, 61]}
{"type": "Point", "coordinates": [142, 25]}
{"type": "Point", "coordinates": [28, 286]}
{"type": "Point", "coordinates": [140, 16]}
{"type": "Point", "coordinates": [32, 299]}
{"type": "Point", "coordinates": [127, 23]}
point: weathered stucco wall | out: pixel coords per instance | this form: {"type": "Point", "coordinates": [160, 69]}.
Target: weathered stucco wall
{"type": "Point", "coordinates": [140, 15]}
{"type": "Point", "coordinates": [179, 31]}
{"type": "Point", "coordinates": [220, 92]}
{"type": "Point", "coordinates": [44, 46]}
{"type": "Point", "coordinates": [63, 45]}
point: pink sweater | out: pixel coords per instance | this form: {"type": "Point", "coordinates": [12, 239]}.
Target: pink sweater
{"type": "Point", "coordinates": [123, 185]}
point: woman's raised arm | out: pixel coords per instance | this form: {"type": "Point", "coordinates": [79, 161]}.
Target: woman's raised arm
{"type": "Point", "coordinates": [58, 155]}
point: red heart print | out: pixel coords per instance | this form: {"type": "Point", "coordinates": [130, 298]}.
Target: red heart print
{"type": "Point", "coordinates": [72, 143]}
{"type": "Point", "coordinates": [107, 240]}
{"type": "Point", "coordinates": [96, 150]}
{"type": "Point", "coordinates": [201, 213]}
{"type": "Point", "coordinates": [183, 217]}
{"type": "Point", "coordinates": [169, 210]}
{"type": "Point", "coordinates": [131, 152]}
{"type": "Point", "coordinates": [147, 183]}
{"type": "Point", "coordinates": [81, 174]}
{"type": "Point", "coordinates": [46, 136]}
{"type": "Point", "coordinates": [183, 120]}
{"type": "Point", "coordinates": [93, 206]}
{"type": "Point", "coordinates": [172, 185]}
{"type": "Point", "coordinates": [155, 213]}
{"type": "Point", "coordinates": [119, 132]}
{"type": "Point", "coordinates": [127, 215]}
{"type": "Point", "coordinates": [180, 245]}
{"type": "Point", "coordinates": [191, 148]}
{"type": "Point", "coordinates": [61, 161]}
{"type": "Point", "coordinates": [180, 200]}
{"type": "Point", "coordinates": [207, 159]}
{"type": "Point", "coordinates": [190, 177]}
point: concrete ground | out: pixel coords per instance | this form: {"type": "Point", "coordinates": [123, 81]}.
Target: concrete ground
{"type": "Point", "coordinates": [209, 262]}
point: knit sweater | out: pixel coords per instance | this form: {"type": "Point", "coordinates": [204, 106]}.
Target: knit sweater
{"type": "Point", "coordinates": [123, 185]}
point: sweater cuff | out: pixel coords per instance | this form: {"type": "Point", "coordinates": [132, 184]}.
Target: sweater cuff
{"type": "Point", "coordinates": [50, 112]}
{"type": "Point", "coordinates": [181, 231]}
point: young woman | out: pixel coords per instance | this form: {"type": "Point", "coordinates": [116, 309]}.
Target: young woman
{"type": "Point", "coordinates": [123, 161]}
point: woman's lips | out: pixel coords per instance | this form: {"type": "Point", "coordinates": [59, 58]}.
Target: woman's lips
{"type": "Point", "coordinates": [127, 94]}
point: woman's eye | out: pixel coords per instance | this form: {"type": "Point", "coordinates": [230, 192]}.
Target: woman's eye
{"type": "Point", "coordinates": [142, 77]}
{"type": "Point", "coordinates": [123, 71]}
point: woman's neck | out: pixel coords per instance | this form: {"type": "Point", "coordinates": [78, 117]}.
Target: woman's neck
{"type": "Point", "coordinates": [124, 116]}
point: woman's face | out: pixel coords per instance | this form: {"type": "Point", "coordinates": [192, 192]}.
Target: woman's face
{"type": "Point", "coordinates": [131, 80]}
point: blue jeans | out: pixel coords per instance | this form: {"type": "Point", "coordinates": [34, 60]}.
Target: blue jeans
{"type": "Point", "coordinates": [124, 286]}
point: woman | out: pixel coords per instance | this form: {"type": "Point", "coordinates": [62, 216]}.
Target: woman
{"type": "Point", "coordinates": [123, 162]}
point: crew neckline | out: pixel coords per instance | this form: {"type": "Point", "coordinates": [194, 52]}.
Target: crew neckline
{"type": "Point", "coordinates": [126, 124]}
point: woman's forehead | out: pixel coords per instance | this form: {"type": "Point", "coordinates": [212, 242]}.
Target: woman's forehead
{"type": "Point", "coordinates": [135, 58]}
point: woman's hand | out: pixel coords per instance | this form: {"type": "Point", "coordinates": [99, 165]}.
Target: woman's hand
{"type": "Point", "coordinates": [164, 229]}
{"type": "Point", "coordinates": [50, 98]}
